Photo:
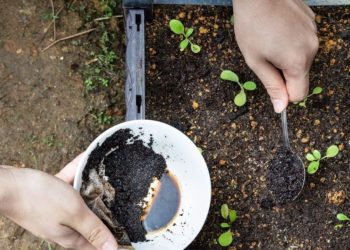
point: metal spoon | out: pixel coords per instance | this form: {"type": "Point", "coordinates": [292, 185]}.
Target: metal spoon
{"type": "Point", "coordinates": [286, 169]}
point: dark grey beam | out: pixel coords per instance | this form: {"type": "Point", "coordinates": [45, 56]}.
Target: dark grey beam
{"type": "Point", "coordinates": [135, 65]}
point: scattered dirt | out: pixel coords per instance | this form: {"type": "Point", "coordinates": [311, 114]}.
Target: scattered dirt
{"type": "Point", "coordinates": [184, 90]}
{"type": "Point", "coordinates": [130, 168]}
{"type": "Point", "coordinates": [285, 176]}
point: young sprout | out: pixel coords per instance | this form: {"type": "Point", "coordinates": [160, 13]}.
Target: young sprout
{"type": "Point", "coordinates": [315, 91]}
{"type": "Point", "coordinates": [342, 218]}
{"type": "Point", "coordinates": [178, 28]}
{"type": "Point", "coordinates": [314, 158]}
{"type": "Point", "coordinates": [230, 216]}
{"type": "Point", "coordinates": [241, 98]}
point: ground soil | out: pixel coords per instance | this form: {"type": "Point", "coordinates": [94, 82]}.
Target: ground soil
{"type": "Point", "coordinates": [45, 112]}
{"type": "Point", "coordinates": [285, 176]}
{"type": "Point", "coordinates": [45, 118]}
{"type": "Point", "coordinates": [130, 169]}
{"type": "Point", "coordinates": [184, 90]}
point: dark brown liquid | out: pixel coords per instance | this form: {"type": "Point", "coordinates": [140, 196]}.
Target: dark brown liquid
{"type": "Point", "coordinates": [164, 205]}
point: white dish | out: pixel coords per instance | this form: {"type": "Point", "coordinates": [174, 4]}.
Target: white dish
{"type": "Point", "coordinates": [186, 163]}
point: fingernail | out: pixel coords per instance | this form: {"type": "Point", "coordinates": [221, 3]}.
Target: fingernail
{"type": "Point", "coordinates": [278, 105]}
{"type": "Point", "coordinates": [109, 246]}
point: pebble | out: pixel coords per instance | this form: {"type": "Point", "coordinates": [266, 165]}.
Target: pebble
{"type": "Point", "coordinates": [195, 105]}
{"type": "Point", "coordinates": [312, 185]}
{"type": "Point", "coordinates": [203, 30]}
{"type": "Point", "coordinates": [317, 122]}
{"type": "Point", "coordinates": [182, 14]}
{"type": "Point", "coordinates": [322, 179]}
{"type": "Point", "coordinates": [305, 139]}
{"type": "Point", "coordinates": [336, 197]}
{"type": "Point", "coordinates": [222, 162]}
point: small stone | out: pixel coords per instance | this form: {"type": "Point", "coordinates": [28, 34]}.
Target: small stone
{"type": "Point", "coordinates": [182, 14]}
{"type": "Point", "coordinates": [299, 133]}
{"type": "Point", "coordinates": [317, 122]}
{"type": "Point", "coordinates": [341, 146]}
{"type": "Point", "coordinates": [318, 19]}
{"type": "Point", "coordinates": [337, 197]}
{"type": "Point", "coordinates": [203, 30]}
{"type": "Point", "coordinates": [305, 139]}
{"type": "Point", "coordinates": [234, 125]}
{"type": "Point", "coordinates": [253, 124]}
{"type": "Point", "coordinates": [332, 61]}
{"type": "Point", "coordinates": [312, 185]}
{"type": "Point", "coordinates": [222, 162]}
{"type": "Point", "coordinates": [153, 66]}
{"type": "Point", "coordinates": [195, 105]}
{"type": "Point", "coordinates": [323, 179]}
{"type": "Point", "coordinates": [216, 26]}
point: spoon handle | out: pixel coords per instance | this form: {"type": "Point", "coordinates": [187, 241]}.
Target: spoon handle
{"type": "Point", "coordinates": [285, 129]}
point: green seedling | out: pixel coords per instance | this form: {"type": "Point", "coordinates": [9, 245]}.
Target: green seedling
{"type": "Point", "coordinates": [315, 157]}
{"type": "Point", "coordinates": [241, 98]}
{"type": "Point", "coordinates": [178, 28]}
{"type": "Point", "coordinates": [342, 218]}
{"type": "Point", "coordinates": [230, 216]}
{"type": "Point", "coordinates": [315, 91]}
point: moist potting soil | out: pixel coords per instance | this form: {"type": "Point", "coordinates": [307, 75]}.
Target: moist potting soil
{"type": "Point", "coordinates": [130, 167]}
{"type": "Point", "coordinates": [285, 176]}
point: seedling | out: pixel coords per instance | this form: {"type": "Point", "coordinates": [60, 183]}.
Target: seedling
{"type": "Point", "coordinates": [230, 216]}
{"type": "Point", "coordinates": [178, 28]}
{"type": "Point", "coordinates": [314, 158]}
{"type": "Point", "coordinates": [241, 98]}
{"type": "Point", "coordinates": [315, 91]}
{"type": "Point", "coordinates": [342, 218]}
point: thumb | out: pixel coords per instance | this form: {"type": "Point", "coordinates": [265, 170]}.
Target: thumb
{"type": "Point", "coordinates": [297, 85]}
{"type": "Point", "coordinates": [274, 84]}
{"type": "Point", "coordinates": [92, 229]}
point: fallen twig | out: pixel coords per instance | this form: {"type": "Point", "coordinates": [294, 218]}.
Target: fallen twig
{"type": "Point", "coordinates": [53, 19]}
{"type": "Point", "coordinates": [68, 37]}
{"type": "Point", "coordinates": [106, 18]}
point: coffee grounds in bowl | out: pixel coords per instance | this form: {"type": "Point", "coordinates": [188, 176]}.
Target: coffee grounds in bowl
{"type": "Point", "coordinates": [129, 167]}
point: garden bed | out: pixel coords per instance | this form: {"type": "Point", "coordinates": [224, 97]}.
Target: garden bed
{"type": "Point", "coordinates": [185, 90]}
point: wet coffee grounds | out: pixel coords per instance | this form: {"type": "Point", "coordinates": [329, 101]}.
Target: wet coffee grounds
{"type": "Point", "coordinates": [285, 176]}
{"type": "Point", "coordinates": [131, 168]}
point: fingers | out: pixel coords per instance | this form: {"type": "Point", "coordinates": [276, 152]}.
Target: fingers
{"type": "Point", "coordinates": [297, 85]}
{"type": "Point", "coordinates": [68, 172]}
{"type": "Point", "coordinates": [93, 230]}
{"type": "Point", "coordinates": [71, 239]}
{"type": "Point", "coordinates": [274, 84]}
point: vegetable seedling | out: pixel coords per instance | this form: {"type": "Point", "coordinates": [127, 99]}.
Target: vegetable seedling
{"type": "Point", "coordinates": [178, 28]}
{"type": "Point", "coordinates": [229, 215]}
{"type": "Point", "coordinates": [314, 158]}
{"type": "Point", "coordinates": [241, 98]}
{"type": "Point", "coordinates": [342, 218]}
{"type": "Point", "coordinates": [315, 91]}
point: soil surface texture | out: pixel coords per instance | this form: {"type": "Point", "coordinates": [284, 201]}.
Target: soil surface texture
{"type": "Point", "coordinates": [285, 176]}
{"type": "Point", "coordinates": [185, 90]}
{"type": "Point", "coordinates": [131, 168]}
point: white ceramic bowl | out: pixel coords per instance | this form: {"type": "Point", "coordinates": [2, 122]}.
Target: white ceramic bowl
{"type": "Point", "coordinates": [186, 163]}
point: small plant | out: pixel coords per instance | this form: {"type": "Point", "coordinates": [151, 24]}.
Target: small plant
{"type": "Point", "coordinates": [104, 119]}
{"type": "Point", "coordinates": [314, 158]}
{"type": "Point", "coordinates": [230, 216]}
{"type": "Point", "coordinates": [178, 28]}
{"type": "Point", "coordinates": [241, 98]}
{"type": "Point", "coordinates": [315, 91]}
{"type": "Point", "coordinates": [342, 218]}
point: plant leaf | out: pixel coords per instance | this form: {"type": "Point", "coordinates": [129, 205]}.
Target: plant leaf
{"type": "Point", "coordinates": [338, 226]}
{"type": "Point", "coordinates": [224, 225]}
{"type": "Point", "coordinates": [232, 216]}
{"type": "Point", "coordinates": [189, 32]}
{"type": "Point", "coordinates": [240, 99]}
{"type": "Point", "coordinates": [195, 48]}
{"type": "Point", "coordinates": [302, 104]}
{"type": "Point", "coordinates": [224, 211]}
{"type": "Point", "coordinates": [316, 154]}
{"type": "Point", "coordinates": [183, 44]}
{"type": "Point", "coordinates": [176, 26]}
{"type": "Point", "coordinates": [342, 217]}
{"type": "Point", "coordinates": [310, 157]}
{"type": "Point", "coordinates": [249, 85]}
{"type": "Point", "coordinates": [317, 90]}
{"type": "Point", "coordinates": [229, 76]}
{"type": "Point", "coordinates": [313, 167]}
{"type": "Point", "coordinates": [332, 151]}
{"type": "Point", "coordinates": [225, 239]}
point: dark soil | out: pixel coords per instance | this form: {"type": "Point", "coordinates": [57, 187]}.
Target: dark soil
{"type": "Point", "coordinates": [285, 176]}
{"type": "Point", "coordinates": [239, 143]}
{"type": "Point", "coordinates": [130, 168]}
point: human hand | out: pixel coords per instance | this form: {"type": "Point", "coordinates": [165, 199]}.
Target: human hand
{"type": "Point", "coordinates": [277, 35]}
{"type": "Point", "coordinates": [52, 209]}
